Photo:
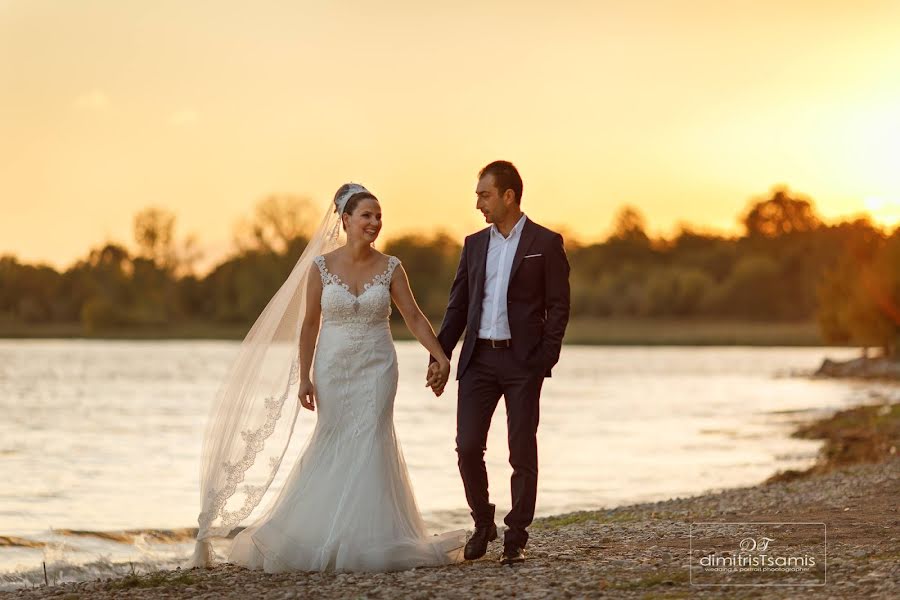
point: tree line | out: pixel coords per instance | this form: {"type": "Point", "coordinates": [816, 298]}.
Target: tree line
{"type": "Point", "coordinates": [786, 265]}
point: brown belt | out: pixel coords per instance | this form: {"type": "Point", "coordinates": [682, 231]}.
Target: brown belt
{"type": "Point", "coordinates": [493, 343]}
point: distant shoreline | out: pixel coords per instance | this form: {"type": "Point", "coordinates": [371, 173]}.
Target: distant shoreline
{"type": "Point", "coordinates": [610, 331]}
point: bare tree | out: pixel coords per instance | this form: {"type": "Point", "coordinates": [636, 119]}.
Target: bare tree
{"type": "Point", "coordinates": [277, 221]}
{"type": "Point", "coordinates": [630, 225]}
{"type": "Point", "coordinates": [154, 234]}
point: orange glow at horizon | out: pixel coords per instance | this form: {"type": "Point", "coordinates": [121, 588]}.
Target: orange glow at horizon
{"type": "Point", "coordinates": [686, 110]}
{"type": "Point", "coordinates": [884, 211]}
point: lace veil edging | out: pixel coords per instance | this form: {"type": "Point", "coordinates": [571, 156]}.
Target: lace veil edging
{"type": "Point", "coordinates": [248, 429]}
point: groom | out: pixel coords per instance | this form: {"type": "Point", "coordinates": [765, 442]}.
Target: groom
{"type": "Point", "coordinates": [511, 296]}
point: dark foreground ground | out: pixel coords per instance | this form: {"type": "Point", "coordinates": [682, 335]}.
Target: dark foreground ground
{"type": "Point", "coordinates": [638, 551]}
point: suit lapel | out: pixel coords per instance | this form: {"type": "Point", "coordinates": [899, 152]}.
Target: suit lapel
{"type": "Point", "coordinates": [528, 233]}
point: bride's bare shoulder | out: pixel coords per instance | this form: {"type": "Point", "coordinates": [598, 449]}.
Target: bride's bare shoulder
{"type": "Point", "coordinates": [385, 259]}
{"type": "Point", "coordinates": [333, 257]}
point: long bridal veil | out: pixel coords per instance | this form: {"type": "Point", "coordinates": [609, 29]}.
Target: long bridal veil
{"type": "Point", "coordinates": [253, 413]}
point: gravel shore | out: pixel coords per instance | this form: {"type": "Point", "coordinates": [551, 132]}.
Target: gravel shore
{"type": "Point", "coordinates": [637, 551]}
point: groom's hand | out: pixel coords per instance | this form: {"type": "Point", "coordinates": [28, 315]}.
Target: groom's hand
{"type": "Point", "coordinates": [432, 375]}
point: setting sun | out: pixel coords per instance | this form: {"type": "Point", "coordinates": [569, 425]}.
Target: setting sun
{"type": "Point", "coordinates": [884, 211]}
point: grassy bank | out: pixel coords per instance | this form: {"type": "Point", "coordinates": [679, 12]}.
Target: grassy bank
{"type": "Point", "coordinates": [690, 332]}
{"type": "Point", "coordinates": [590, 331]}
{"type": "Point", "coordinates": [864, 434]}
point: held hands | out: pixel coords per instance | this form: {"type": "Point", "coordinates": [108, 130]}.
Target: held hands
{"type": "Point", "coordinates": [437, 376]}
{"type": "Point", "coordinates": [307, 395]}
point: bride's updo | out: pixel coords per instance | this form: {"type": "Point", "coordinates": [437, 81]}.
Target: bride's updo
{"type": "Point", "coordinates": [349, 196]}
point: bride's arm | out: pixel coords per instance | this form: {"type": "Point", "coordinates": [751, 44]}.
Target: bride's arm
{"type": "Point", "coordinates": [309, 332]}
{"type": "Point", "coordinates": [417, 322]}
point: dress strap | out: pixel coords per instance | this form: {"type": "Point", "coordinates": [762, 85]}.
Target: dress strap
{"type": "Point", "coordinates": [393, 261]}
{"type": "Point", "coordinates": [326, 276]}
{"type": "Point", "coordinates": [384, 278]}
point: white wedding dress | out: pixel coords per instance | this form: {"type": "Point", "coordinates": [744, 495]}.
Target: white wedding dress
{"type": "Point", "coordinates": [348, 504]}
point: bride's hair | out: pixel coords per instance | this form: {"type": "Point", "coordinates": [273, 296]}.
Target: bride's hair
{"type": "Point", "coordinates": [353, 201]}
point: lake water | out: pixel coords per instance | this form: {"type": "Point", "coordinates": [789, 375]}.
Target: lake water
{"type": "Point", "coordinates": [99, 437]}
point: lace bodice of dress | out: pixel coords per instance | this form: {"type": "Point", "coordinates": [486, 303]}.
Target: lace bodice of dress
{"type": "Point", "coordinates": [373, 304]}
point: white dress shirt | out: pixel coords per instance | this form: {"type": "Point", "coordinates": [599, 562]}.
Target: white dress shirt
{"type": "Point", "coordinates": [501, 251]}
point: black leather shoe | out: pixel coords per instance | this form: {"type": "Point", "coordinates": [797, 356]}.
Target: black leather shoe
{"type": "Point", "coordinates": [477, 544]}
{"type": "Point", "coordinates": [512, 555]}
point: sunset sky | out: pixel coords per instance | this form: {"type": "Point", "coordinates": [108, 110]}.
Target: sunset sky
{"type": "Point", "coordinates": [685, 109]}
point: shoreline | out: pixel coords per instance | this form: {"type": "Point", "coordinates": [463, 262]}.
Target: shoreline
{"type": "Point", "coordinates": [629, 551]}
{"type": "Point", "coordinates": [590, 331]}
{"type": "Point", "coordinates": [879, 368]}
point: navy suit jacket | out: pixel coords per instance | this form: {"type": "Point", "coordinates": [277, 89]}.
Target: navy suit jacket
{"type": "Point", "coordinates": [537, 298]}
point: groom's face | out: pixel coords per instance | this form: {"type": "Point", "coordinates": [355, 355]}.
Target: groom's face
{"type": "Point", "coordinates": [490, 202]}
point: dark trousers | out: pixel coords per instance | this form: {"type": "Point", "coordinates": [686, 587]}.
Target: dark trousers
{"type": "Point", "coordinates": [492, 373]}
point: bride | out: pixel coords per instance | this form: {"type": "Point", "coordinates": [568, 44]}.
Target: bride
{"type": "Point", "coordinates": [347, 504]}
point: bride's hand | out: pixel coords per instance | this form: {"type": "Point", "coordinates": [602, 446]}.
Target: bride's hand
{"type": "Point", "coordinates": [441, 376]}
{"type": "Point", "coordinates": [307, 395]}
{"type": "Point", "coordinates": [432, 375]}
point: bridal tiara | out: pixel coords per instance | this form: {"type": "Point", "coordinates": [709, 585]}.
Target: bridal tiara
{"type": "Point", "coordinates": [352, 189]}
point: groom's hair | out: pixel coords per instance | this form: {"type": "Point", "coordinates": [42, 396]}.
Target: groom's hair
{"type": "Point", "coordinates": [506, 177]}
